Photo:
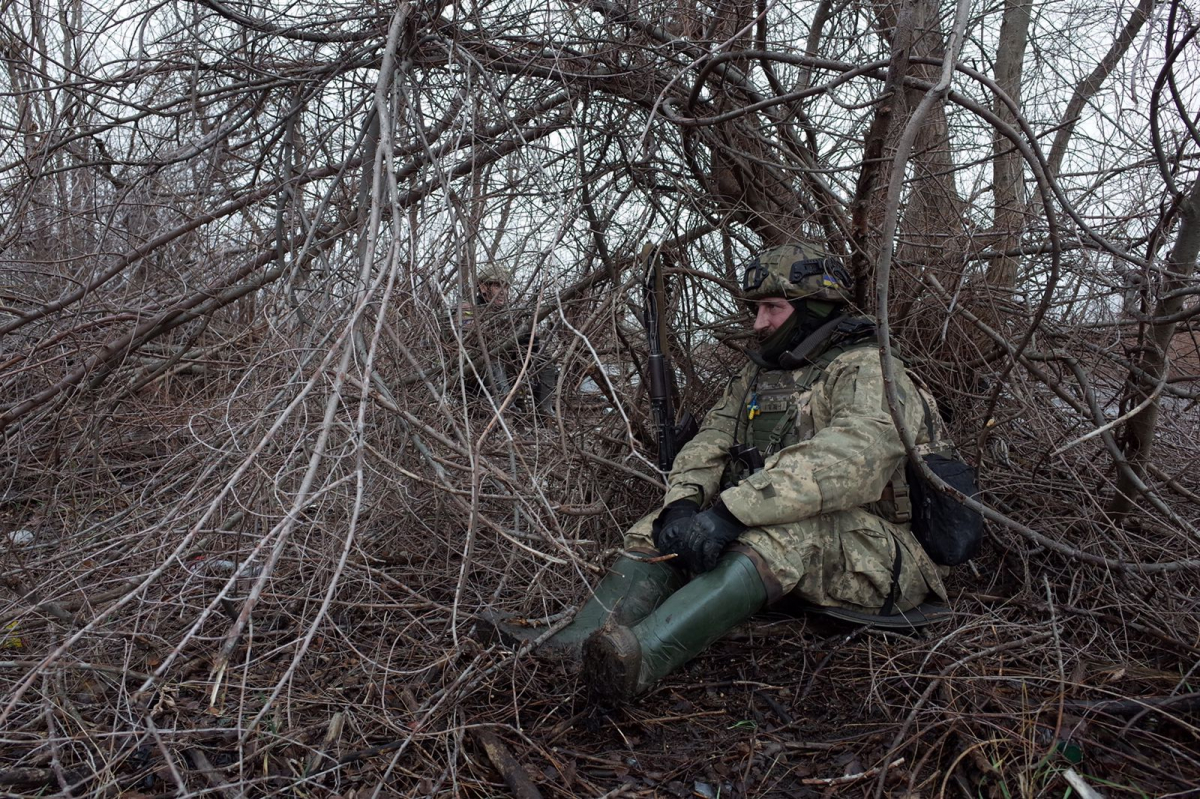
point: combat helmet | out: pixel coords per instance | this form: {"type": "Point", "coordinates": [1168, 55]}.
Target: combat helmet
{"type": "Point", "coordinates": [492, 272]}
{"type": "Point", "coordinates": [797, 272]}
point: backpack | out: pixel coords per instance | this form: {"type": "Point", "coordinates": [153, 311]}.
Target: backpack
{"type": "Point", "coordinates": [950, 532]}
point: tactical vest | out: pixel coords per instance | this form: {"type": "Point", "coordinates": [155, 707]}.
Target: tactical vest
{"type": "Point", "coordinates": [773, 416]}
{"type": "Point", "coordinates": [781, 394]}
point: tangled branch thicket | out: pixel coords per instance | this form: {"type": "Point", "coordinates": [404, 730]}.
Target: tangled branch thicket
{"type": "Point", "coordinates": [256, 496]}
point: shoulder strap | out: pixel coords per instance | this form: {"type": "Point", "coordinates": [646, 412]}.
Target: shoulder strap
{"type": "Point", "coordinates": [841, 331]}
{"type": "Point", "coordinates": [812, 344]}
{"type": "Point", "coordinates": [825, 345]}
{"type": "Point", "coordinates": [851, 334]}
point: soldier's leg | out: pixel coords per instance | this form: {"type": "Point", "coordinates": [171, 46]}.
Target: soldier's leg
{"type": "Point", "coordinates": [621, 661]}
{"type": "Point", "coordinates": [629, 592]}
{"type": "Point", "coordinates": [497, 380]}
{"type": "Point", "coordinates": [545, 381]}
{"type": "Point", "coordinates": [846, 559]}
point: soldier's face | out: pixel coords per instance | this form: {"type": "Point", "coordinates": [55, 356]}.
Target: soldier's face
{"type": "Point", "coordinates": [772, 312]}
{"type": "Point", "coordinates": [494, 293]}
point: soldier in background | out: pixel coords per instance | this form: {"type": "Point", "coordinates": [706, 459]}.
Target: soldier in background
{"type": "Point", "coordinates": [494, 283]}
{"type": "Point", "coordinates": [491, 319]}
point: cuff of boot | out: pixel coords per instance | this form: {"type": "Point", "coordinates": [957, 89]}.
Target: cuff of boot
{"type": "Point", "coordinates": [769, 580]}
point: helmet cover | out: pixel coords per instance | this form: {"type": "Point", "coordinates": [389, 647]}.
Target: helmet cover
{"type": "Point", "coordinates": [797, 272]}
{"type": "Point", "coordinates": [494, 273]}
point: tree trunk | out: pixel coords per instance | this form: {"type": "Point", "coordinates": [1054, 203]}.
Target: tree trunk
{"type": "Point", "coordinates": [931, 230]}
{"type": "Point", "coordinates": [1152, 365]}
{"type": "Point", "coordinates": [1008, 190]}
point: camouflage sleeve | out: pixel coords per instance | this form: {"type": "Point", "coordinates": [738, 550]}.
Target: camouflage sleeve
{"type": "Point", "coordinates": [848, 460]}
{"type": "Point", "coordinates": [452, 331]}
{"type": "Point", "coordinates": [696, 474]}
{"type": "Point", "coordinates": [483, 327]}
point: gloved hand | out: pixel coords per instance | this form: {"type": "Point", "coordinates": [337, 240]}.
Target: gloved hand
{"type": "Point", "coordinates": [706, 538]}
{"type": "Point", "coordinates": [671, 524]}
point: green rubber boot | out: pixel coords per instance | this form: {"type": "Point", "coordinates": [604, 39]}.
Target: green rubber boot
{"type": "Point", "coordinates": [630, 591]}
{"type": "Point", "coordinates": [622, 661]}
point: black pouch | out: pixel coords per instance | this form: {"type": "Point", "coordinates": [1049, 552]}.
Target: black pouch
{"type": "Point", "coordinates": [948, 530]}
{"type": "Point", "coordinates": [748, 457]}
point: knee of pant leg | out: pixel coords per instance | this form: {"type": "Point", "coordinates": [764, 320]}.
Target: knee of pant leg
{"type": "Point", "coordinates": [838, 559]}
{"type": "Point", "coordinates": [865, 572]}
{"type": "Point", "coordinates": [789, 557]}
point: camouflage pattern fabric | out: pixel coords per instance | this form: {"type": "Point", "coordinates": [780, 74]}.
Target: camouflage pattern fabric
{"type": "Point", "coordinates": [796, 271]}
{"type": "Point", "coordinates": [839, 559]}
{"type": "Point", "coordinates": [484, 326]}
{"type": "Point", "coordinates": [817, 515]}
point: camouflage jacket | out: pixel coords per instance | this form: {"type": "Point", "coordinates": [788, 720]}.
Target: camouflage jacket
{"type": "Point", "coordinates": [485, 326]}
{"type": "Point", "coordinates": [841, 450]}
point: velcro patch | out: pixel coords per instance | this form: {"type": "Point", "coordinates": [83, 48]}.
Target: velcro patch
{"type": "Point", "coordinates": [761, 481]}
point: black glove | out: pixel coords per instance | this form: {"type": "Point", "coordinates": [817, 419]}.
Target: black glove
{"type": "Point", "coordinates": [670, 525]}
{"type": "Point", "coordinates": [706, 538]}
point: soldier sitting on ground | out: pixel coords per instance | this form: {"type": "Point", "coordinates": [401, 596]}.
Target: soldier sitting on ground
{"type": "Point", "coordinates": [794, 486]}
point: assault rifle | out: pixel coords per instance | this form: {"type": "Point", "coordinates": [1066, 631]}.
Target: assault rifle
{"type": "Point", "coordinates": [671, 436]}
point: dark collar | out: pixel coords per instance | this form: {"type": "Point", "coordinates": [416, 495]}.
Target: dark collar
{"type": "Point", "coordinates": [837, 330]}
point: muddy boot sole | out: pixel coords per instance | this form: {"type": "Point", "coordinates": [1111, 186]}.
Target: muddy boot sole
{"type": "Point", "coordinates": [612, 661]}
